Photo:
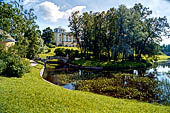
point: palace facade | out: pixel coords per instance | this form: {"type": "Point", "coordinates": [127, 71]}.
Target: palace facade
{"type": "Point", "coordinates": [63, 38]}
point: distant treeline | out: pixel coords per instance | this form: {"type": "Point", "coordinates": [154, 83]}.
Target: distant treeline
{"type": "Point", "coordinates": [122, 33]}
{"type": "Point", "coordinates": [166, 49]}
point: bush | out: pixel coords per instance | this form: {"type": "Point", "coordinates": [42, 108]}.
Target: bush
{"type": "Point", "coordinates": [2, 66]}
{"type": "Point", "coordinates": [59, 52]}
{"type": "Point", "coordinates": [64, 52]}
{"type": "Point", "coordinates": [51, 45]}
{"type": "Point", "coordinates": [14, 66]}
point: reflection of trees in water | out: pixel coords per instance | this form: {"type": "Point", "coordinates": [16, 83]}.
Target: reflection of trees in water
{"type": "Point", "coordinates": [165, 64]}
{"type": "Point", "coordinates": [145, 83]}
{"type": "Point", "coordinates": [164, 85]}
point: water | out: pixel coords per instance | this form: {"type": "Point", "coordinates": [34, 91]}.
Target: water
{"type": "Point", "coordinates": [158, 76]}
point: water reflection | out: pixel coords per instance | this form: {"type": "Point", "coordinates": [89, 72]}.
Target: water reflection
{"type": "Point", "coordinates": [153, 83]}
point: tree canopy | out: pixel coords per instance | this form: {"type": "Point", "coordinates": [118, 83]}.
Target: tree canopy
{"type": "Point", "coordinates": [21, 25]}
{"type": "Point", "coordinates": [122, 33]}
{"type": "Point", "coordinates": [48, 35]}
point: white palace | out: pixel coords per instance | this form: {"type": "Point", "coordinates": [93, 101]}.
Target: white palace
{"type": "Point", "coordinates": [63, 38]}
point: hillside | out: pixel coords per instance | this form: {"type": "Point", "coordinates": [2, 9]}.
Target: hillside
{"type": "Point", "coordinates": [31, 94]}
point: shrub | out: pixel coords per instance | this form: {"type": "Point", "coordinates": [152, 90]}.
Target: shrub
{"type": "Point", "coordinates": [15, 66]}
{"type": "Point", "coordinates": [64, 52]}
{"type": "Point", "coordinates": [51, 45]}
{"type": "Point", "coordinates": [59, 52]}
{"type": "Point", "coordinates": [2, 66]}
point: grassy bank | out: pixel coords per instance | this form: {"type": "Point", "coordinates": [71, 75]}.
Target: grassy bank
{"type": "Point", "coordinates": [110, 65]}
{"type": "Point", "coordinates": [51, 53]}
{"type": "Point", "coordinates": [31, 94]}
{"type": "Point", "coordinates": [162, 58]}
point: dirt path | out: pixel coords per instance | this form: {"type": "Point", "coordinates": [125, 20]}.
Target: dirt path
{"type": "Point", "coordinates": [33, 63]}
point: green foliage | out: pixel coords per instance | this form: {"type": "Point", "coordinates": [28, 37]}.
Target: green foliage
{"type": "Point", "coordinates": [111, 64]}
{"type": "Point", "coordinates": [51, 45]}
{"type": "Point", "coordinates": [40, 62]}
{"type": "Point", "coordinates": [166, 49]}
{"type": "Point", "coordinates": [49, 52]}
{"type": "Point", "coordinates": [48, 35]}
{"type": "Point", "coordinates": [21, 25]}
{"type": "Point", "coordinates": [121, 34]}
{"type": "Point", "coordinates": [122, 86]}
{"type": "Point", "coordinates": [59, 52]}
{"type": "Point", "coordinates": [64, 52]}
{"type": "Point", "coordinates": [13, 66]}
{"type": "Point", "coordinates": [18, 95]}
{"type": "Point", "coordinates": [2, 66]}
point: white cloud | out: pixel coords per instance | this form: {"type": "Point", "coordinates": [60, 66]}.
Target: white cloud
{"type": "Point", "coordinates": [69, 11]}
{"type": "Point", "coordinates": [26, 2]}
{"type": "Point", "coordinates": [51, 12]}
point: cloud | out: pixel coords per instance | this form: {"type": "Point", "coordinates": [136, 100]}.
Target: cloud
{"type": "Point", "coordinates": [49, 11]}
{"type": "Point", "coordinates": [26, 2]}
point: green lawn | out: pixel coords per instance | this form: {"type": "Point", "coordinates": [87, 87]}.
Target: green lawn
{"type": "Point", "coordinates": [51, 53]}
{"type": "Point", "coordinates": [31, 94]}
{"type": "Point", "coordinates": [163, 57]}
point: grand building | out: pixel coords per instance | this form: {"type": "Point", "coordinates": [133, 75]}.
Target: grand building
{"type": "Point", "coordinates": [63, 38]}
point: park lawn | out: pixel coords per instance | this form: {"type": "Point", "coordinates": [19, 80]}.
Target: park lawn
{"type": "Point", "coordinates": [51, 53]}
{"type": "Point", "coordinates": [31, 94]}
{"type": "Point", "coordinates": [163, 57]}
{"type": "Point", "coordinates": [74, 48]}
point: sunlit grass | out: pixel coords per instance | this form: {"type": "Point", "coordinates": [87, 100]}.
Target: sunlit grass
{"type": "Point", "coordinates": [51, 53]}
{"type": "Point", "coordinates": [31, 94]}
{"type": "Point", "coordinates": [74, 48]}
{"type": "Point", "coordinates": [163, 57]}
{"type": "Point", "coordinates": [52, 66]}
{"type": "Point", "coordinates": [54, 60]}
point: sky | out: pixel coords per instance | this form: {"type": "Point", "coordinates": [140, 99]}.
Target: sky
{"type": "Point", "coordinates": [55, 13]}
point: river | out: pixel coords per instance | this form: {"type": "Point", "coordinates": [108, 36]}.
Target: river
{"type": "Point", "coordinates": [67, 77]}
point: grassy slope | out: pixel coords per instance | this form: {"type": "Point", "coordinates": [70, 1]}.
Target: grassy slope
{"type": "Point", "coordinates": [31, 94]}
{"type": "Point", "coordinates": [163, 57]}
{"type": "Point", "coordinates": [53, 49]}
{"type": "Point", "coordinates": [48, 54]}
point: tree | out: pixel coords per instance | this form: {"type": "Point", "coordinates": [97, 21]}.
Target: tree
{"type": "Point", "coordinates": [126, 33]}
{"type": "Point", "coordinates": [21, 25]}
{"type": "Point", "coordinates": [153, 29]}
{"type": "Point", "coordinates": [74, 24]}
{"type": "Point", "coordinates": [110, 30]}
{"type": "Point", "coordinates": [48, 35]}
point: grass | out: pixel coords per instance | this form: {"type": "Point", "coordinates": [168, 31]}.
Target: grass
{"type": "Point", "coordinates": [31, 94]}
{"type": "Point", "coordinates": [74, 48]}
{"type": "Point", "coordinates": [54, 60]}
{"type": "Point", "coordinates": [52, 66]}
{"type": "Point", "coordinates": [51, 53]}
{"type": "Point", "coordinates": [163, 57]}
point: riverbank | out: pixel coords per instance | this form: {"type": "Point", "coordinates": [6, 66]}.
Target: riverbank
{"type": "Point", "coordinates": [31, 91]}
{"type": "Point", "coordinates": [111, 64]}
{"type": "Point", "coordinates": [163, 57]}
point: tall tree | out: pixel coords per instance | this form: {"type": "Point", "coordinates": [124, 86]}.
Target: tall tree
{"type": "Point", "coordinates": [48, 35]}
{"type": "Point", "coordinates": [20, 24]}
{"type": "Point", "coordinates": [127, 33]}
{"type": "Point", "coordinates": [110, 30]}
{"type": "Point", "coordinates": [74, 25]}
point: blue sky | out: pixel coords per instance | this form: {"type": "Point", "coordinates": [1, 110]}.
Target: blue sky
{"type": "Point", "coordinates": [54, 13]}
